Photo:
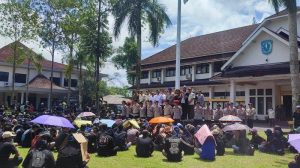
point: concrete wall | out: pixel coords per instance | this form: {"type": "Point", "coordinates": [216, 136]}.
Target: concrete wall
{"type": "Point", "coordinates": [252, 55]}
{"type": "Point", "coordinates": [32, 74]}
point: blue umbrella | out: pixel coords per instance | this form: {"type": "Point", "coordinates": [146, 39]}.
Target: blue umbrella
{"type": "Point", "coordinates": [108, 122]}
{"type": "Point", "coordinates": [53, 121]}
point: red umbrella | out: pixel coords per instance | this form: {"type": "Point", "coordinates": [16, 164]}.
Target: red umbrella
{"type": "Point", "coordinates": [230, 118]}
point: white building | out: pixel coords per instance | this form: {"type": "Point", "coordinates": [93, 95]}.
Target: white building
{"type": "Point", "coordinates": [39, 83]}
{"type": "Point", "coordinates": [246, 64]}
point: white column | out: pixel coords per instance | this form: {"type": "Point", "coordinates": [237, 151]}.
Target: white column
{"type": "Point", "coordinates": [211, 94]}
{"type": "Point", "coordinates": [62, 80]}
{"type": "Point", "coordinates": [149, 77]}
{"type": "Point", "coordinates": [232, 91]}
{"type": "Point", "coordinates": [247, 94]}
{"type": "Point", "coordinates": [162, 75]}
{"type": "Point", "coordinates": [22, 97]}
{"type": "Point", "coordinates": [211, 69]}
{"type": "Point", "coordinates": [193, 73]}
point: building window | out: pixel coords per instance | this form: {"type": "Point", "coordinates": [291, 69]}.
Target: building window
{"type": "Point", "coordinates": [268, 91]}
{"type": "Point", "coordinates": [202, 68]}
{"type": "Point", "coordinates": [56, 81]}
{"type": "Point", "coordinates": [145, 75]}
{"type": "Point", "coordinates": [20, 78]}
{"type": "Point", "coordinates": [170, 72]}
{"type": "Point", "coordinates": [218, 65]}
{"type": "Point", "coordinates": [156, 74]}
{"type": "Point", "coordinates": [262, 99]}
{"type": "Point", "coordinates": [252, 92]}
{"type": "Point", "coordinates": [240, 93]}
{"type": "Point", "coordinates": [4, 76]}
{"type": "Point", "coordinates": [260, 92]}
{"type": "Point", "coordinates": [184, 70]}
{"type": "Point", "coordinates": [221, 94]}
{"type": "Point", "coordinates": [73, 82]}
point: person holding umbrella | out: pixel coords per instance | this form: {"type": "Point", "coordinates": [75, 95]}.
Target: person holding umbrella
{"type": "Point", "coordinates": [250, 113]}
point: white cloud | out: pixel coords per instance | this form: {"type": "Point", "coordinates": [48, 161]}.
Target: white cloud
{"type": "Point", "coordinates": [198, 17]}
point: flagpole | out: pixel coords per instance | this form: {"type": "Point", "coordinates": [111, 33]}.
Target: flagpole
{"type": "Point", "coordinates": [177, 77]}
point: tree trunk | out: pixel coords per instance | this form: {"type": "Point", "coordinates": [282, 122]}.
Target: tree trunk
{"type": "Point", "coordinates": [139, 48]}
{"type": "Point", "coordinates": [98, 56]}
{"type": "Point", "coordinates": [27, 80]}
{"type": "Point", "coordinates": [80, 86]}
{"type": "Point", "coordinates": [12, 99]}
{"type": "Point", "coordinates": [69, 75]}
{"type": "Point", "coordinates": [51, 85]}
{"type": "Point", "coordinates": [294, 61]}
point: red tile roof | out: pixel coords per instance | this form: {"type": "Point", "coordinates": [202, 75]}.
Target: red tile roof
{"type": "Point", "coordinates": [205, 45]}
{"type": "Point", "coordinates": [41, 82]}
{"type": "Point", "coordinates": [7, 51]}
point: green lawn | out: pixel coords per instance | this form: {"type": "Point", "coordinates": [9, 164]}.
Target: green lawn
{"type": "Point", "coordinates": [127, 159]}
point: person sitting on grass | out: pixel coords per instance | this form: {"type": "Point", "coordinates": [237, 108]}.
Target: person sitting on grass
{"type": "Point", "coordinates": [173, 148]}
{"type": "Point", "coordinates": [220, 144]}
{"type": "Point", "coordinates": [106, 146]}
{"type": "Point", "coordinates": [256, 140]}
{"type": "Point", "coordinates": [40, 156]}
{"type": "Point", "coordinates": [242, 144]}
{"type": "Point", "coordinates": [296, 163]}
{"type": "Point", "coordinates": [7, 148]}
{"type": "Point", "coordinates": [144, 145]}
{"type": "Point", "coordinates": [120, 138]}
{"type": "Point", "coordinates": [274, 143]}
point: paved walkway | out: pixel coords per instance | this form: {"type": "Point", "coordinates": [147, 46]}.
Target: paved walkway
{"type": "Point", "coordinates": [265, 126]}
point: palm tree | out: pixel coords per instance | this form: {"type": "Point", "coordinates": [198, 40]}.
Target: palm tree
{"type": "Point", "coordinates": [140, 13]}
{"type": "Point", "coordinates": [291, 8]}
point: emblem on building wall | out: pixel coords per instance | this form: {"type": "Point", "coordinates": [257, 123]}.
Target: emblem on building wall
{"type": "Point", "coordinates": [266, 46]}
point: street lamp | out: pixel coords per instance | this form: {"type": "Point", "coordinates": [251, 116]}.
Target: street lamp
{"type": "Point", "coordinates": [177, 77]}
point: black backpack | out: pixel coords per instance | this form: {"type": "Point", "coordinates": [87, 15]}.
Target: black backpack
{"type": "Point", "coordinates": [38, 159]}
{"type": "Point", "coordinates": [103, 140]}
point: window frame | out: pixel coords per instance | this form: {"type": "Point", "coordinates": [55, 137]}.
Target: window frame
{"type": "Point", "coordinates": [202, 68]}
{"type": "Point", "coordinates": [3, 75]}
{"type": "Point", "coordinates": [20, 78]}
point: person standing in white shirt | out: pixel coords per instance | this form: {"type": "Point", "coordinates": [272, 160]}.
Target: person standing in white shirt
{"type": "Point", "coordinates": [191, 103]}
{"type": "Point", "coordinates": [271, 114]}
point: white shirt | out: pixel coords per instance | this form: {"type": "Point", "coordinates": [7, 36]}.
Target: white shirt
{"type": "Point", "coordinates": [158, 98]}
{"type": "Point", "coordinates": [271, 113]}
{"type": "Point", "coordinates": [151, 98]}
{"type": "Point", "coordinates": [192, 96]}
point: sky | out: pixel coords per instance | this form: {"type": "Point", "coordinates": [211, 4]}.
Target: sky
{"type": "Point", "coordinates": [198, 17]}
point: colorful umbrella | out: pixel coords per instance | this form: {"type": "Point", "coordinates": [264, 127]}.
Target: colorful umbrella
{"type": "Point", "coordinates": [108, 122]}
{"type": "Point", "coordinates": [158, 120]}
{"type": "Point", "coordinates": [53, 121]}
{"type": "Point", "coordinates": [85, 114]}
{"type": "Point", "coordinates": [203, 133]}
{"type": "Point", "coordinates": [79, 123]}
{"type": "Point", "coordinates": [235, 127]}
{"type": "Point", "coordinates": [294, 140]}
{"type": "Point", "coordinates": [230, 118]}
{"type": "Point", "coordinates": [132, 122]}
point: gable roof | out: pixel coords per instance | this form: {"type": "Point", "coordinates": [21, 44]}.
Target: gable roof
{"type": "Point", "coordinates": [280, 14]}
{"type": "Point", "coordinates": [7, 51]}
{"type": "Point", "coordinates": [263, 29]}
{"type": "Point", "coordinates": [41, 82]}
{"type": "Point", "coordinates": [228, 41]}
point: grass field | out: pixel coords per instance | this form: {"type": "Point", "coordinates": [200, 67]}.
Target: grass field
{"type": "Point", "coordinates": [128, 159]}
